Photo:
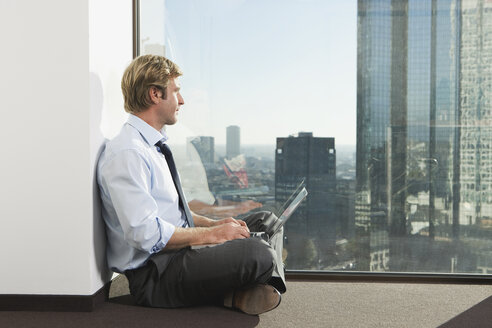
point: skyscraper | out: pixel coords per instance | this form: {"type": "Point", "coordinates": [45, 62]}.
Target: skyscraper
{"type": "Point", "coordinates": [311, 231]}
{"type": "Point", "coordinates": [475, 119]}
{"type": "Point", "coordinates": [233, 141]}
{"type": "Point", "coordinates": [205, 146]}
{"type": "Point", "coordinates": [408, 64]}
{"type": "Point", "coordinates": [374, 77]}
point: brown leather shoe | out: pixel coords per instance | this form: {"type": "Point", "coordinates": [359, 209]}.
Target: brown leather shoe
{"type": "Point", "coordinates": [255, 300]}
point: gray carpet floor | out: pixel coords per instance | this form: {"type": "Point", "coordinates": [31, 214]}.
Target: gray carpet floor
{"type": "Point", "coordinates": [337, 304]}
{"type": "Point", "coordinates": [321, 304]}
{"type": "Point", "coordinates": [306, 304]}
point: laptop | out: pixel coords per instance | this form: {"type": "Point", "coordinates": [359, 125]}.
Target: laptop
{"type": "Point", "coordinates": [299, 196]}
{"type": "Point", "coordinates": [290, 205]}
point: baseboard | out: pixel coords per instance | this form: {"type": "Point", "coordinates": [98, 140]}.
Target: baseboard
{"type": "Point", "coordinates": [389, 277]}
{"type": "Point", "coordinates": [55, 303]}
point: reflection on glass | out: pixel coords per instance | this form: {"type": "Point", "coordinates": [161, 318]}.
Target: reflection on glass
{"type": "Point", "coordinates": [413, 195]}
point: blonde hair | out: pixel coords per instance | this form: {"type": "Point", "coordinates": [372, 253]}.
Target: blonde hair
{"type": "Point", "coordinates": [143, 73]}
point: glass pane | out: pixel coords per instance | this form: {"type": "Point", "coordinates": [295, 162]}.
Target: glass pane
{"type": "Point", "coordinates": [381, 108]}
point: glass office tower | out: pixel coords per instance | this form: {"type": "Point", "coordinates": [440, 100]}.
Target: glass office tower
{"type": "Point", "coordinates": [475, 113]}
{"type": "Point", "coordinates": [374, 46]}
{"type": "Point", "coordinates": [475, 135]}
{"type": "Point", "coordinates": [424, 161]}
{"type": "Point", "coordinates": [408, 59]}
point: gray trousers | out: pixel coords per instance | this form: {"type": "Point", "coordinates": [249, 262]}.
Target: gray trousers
{"type": "Point", "coordinates": [204, 276]}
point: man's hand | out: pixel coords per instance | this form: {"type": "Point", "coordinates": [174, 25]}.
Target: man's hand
{"type": "Point", "coordinates": [230, 220]}
{"type": "Point", "coordinates": [202, 221]}
{"type": "Point", "coordinates": [230, 230]}
{"type": "Point", "coordinates": [208, 231]}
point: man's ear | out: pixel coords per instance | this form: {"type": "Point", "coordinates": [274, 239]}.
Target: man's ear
{"type": "Point", "coordinates": [156, 95]}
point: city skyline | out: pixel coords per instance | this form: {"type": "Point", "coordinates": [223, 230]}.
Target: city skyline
{"type": "Point", "coordinates": [179, 135]}
{"type": "Point", "coordinates": [421, 199]}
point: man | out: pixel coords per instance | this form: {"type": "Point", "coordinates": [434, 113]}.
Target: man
{"type": "Point", "coordinates": [149, 226]}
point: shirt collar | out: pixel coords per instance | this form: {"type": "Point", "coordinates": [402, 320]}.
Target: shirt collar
{"type": "Point", "coordinates": [151, 135]}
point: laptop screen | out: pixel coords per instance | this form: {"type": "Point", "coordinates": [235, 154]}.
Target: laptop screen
{"type": "Point", "coordinates": [287, 202]}
{"type": "Point", "coordinates": [290, 209]}
{"type": "Point", "coordinates": [294, 204]}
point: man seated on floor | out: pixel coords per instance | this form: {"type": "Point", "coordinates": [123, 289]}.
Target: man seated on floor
{"type": "Point", "coordinates": [149, 225]}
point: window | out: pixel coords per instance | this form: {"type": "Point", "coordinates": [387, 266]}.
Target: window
{"type": "Point", "coordinates": [381, 108]}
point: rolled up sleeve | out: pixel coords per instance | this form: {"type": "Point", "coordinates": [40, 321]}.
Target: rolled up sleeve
{"type": "Point", "coordinates": [127, 179]}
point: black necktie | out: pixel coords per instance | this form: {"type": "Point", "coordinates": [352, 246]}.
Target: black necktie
{"type": "Point", "coordinates": [174, 173]}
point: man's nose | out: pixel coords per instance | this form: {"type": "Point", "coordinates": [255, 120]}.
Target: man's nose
{"type": "Point", "coordinates": [180, 99]}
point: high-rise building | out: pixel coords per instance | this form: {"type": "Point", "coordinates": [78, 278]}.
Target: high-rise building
{"type": "Point", "coordinates": [475, 119]}
{"type": "Point", "coordinates": [374, 97]}
{"type": "Point", "coordinates": [205, 146]}
{"type": "Point", "coordinates": [424, 143]}
{"type": "Point", "coordinates": [233, 141]}
{"type": "Point", "coordinates": [407, 105]}
{"type": "Point", "coordinates": [311, 232]}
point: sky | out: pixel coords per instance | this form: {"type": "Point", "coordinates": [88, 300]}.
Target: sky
{"type": "Point", "coordinates": [273, 67]}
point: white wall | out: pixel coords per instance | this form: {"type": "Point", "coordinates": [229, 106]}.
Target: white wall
{"type": "Point", "coordinates": [59, 63]}
{"type": "Point", "coordinates": [110, 52]}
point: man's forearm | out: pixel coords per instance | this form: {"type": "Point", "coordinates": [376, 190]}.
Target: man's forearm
{"type": "Point", "coordinates": [183, 237]}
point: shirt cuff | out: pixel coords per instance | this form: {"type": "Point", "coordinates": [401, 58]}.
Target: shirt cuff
{"type": "Point", "coordinates": [166, 230]}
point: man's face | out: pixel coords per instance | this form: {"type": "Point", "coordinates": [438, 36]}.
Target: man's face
{"type": "Point", "coordinates": [168, 108]}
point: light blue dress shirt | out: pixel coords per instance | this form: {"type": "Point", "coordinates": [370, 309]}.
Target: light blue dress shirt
{"type": "Point", "coordinates": [140, 202]}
